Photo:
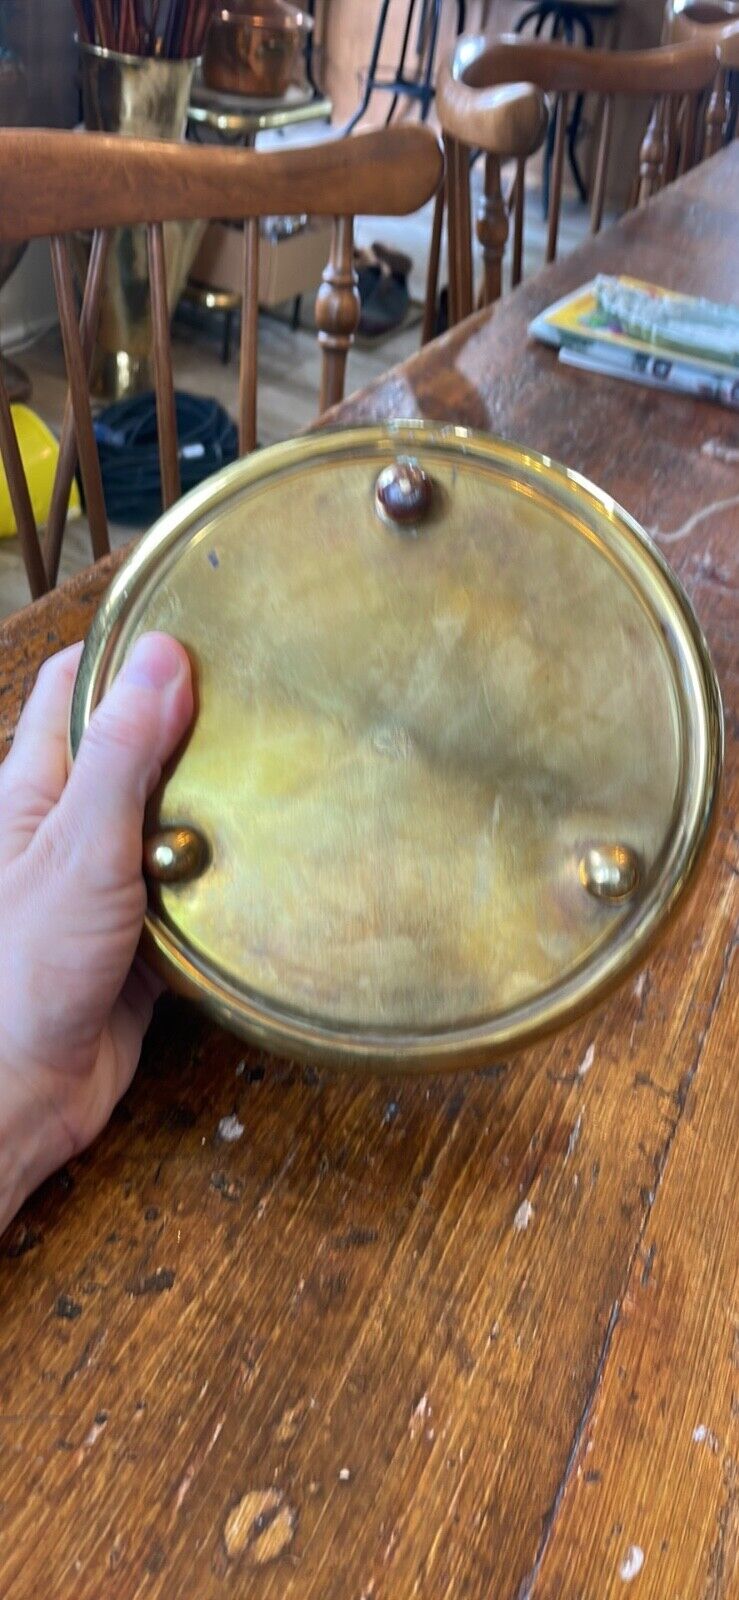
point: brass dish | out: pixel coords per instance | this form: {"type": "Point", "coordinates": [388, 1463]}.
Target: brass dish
{"type": "Point", "coordinates": [457, 748]}
{"type": "Point", "coordinates": [252, 47]}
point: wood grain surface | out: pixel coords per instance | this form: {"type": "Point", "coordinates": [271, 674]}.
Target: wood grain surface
{"type": "Point", "coordinates": [472, 1337]}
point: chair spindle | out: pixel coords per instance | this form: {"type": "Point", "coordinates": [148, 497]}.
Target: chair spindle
{"type": "Point", "coordinates": [249, 340]}
{"type": "Point", "coordinates": [338, 309]}
{"type": "Point", "coordinates": [555, 192]}
{"type": "Point", "coordinates": [67, 460]}
{"type": "Point", "coordinates": [163, 381]}
{"type": "Point", "coordinates": [78, 378]}
{"type": "Point", "coordinates": [601, 165]}
{"type": "Point", "coordinates": [432, 272]}
{"type": "Point", "coordinates": [20, 499]}
{"type": "Point", "coordinates": [518, 198]}
{"type": "Point", "coordinates": [492, 231]}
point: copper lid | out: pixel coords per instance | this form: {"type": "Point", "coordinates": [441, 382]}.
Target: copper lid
{"type": "Point", "coordinates": [456, 752]}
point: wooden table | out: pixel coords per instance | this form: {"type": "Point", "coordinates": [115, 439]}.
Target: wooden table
{"type": "Point", "coordinates": [322, 1360]}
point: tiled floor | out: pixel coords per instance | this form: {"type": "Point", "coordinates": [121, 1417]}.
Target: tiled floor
{"type": "Point", "coordinates": [288, 368]}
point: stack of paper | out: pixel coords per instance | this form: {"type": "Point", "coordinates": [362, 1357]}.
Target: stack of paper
{"type": "Point", "coordinates": [632, 330]}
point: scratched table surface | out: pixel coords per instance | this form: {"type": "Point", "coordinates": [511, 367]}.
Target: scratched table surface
{"type": "Point", "coordinates": [460, 1337]}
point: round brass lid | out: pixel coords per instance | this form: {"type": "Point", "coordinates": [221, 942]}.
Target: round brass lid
{"type": "Point", "coordinates": [456, 751]}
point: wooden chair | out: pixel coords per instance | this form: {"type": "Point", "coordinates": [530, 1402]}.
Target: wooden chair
{"type": "Point", "coordinates": [721, 116]}
{"type": "Point", "coordinates": [688, 19]}
{"type": "Point", "coordinates": [53, 184]}
{"type": "Point", "coordinates": [495, 95]}
{"type": "Point", "coordinates": [717, 21]}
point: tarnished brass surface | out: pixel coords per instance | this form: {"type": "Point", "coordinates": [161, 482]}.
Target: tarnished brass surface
{"type": "Point", "coordinates": [142, 97]}
{"type": "Point", "coordinates": [610, 871]}
{"type": "Point", "coordinates": [404, 494]}
{"type": "Point", "coordinates": [174, 855]}
{"type": "Point", "coordinates": [406, 749]}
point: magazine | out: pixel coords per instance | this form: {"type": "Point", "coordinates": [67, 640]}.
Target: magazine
{"type": "Point", "coordinates": [642, 333]}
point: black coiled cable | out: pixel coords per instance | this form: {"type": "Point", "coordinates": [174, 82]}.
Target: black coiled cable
{"type": "Point", "coordinates": [127, 442]}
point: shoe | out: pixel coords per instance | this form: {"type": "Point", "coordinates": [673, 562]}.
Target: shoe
{"type": "Point", "coordinates": [382, 280]}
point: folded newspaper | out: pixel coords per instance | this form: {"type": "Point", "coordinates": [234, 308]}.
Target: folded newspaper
{"type": "Point", "coordinates": [638, 331]}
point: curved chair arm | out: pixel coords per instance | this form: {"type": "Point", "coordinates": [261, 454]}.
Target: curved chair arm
{"type": "Point", "coordinates": [695, 19]}
{"type": "Point", "coordinates": [728, 47]}
{"type": "Point", "coordinates": [480, 66]}
{"type": "Point", "coordinates": [507, 119]}
{"type": "Point", "coordinates": [718, 115]}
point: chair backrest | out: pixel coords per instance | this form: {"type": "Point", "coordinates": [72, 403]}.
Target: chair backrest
{"type": "Point", "coordinates": [717, 21]}
{"type": "Point", "coordinates": [722, 116]}
{"type": "Point", "coordinates": [688, 19]}
{"type": "Point", "coordinates": [53, 184]}
{"type": "Point", "coordinates": [496, 95]}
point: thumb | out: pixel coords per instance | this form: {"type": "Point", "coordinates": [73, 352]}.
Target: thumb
{"type": "Point", "coordinates": [130, 735]}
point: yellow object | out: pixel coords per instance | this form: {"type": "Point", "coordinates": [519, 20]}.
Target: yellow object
{"type": "Point", "coordinates": [39, 454]}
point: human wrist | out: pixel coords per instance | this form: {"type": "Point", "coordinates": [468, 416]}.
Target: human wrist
{"type": "Point", "coordinates": [32, 1142]}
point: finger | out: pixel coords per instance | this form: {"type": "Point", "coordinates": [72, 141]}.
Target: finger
{"type": "Point", "coordinates": [34, 772]}
{"type": "Point", "coordinates": [99, 819]}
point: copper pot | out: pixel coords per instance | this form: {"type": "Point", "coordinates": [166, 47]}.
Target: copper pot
{"type": "Point", "coordinates": [253, 48]}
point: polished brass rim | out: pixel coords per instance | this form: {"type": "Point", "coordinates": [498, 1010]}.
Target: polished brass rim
{"type": "Point", "coordinates": [636, 557]}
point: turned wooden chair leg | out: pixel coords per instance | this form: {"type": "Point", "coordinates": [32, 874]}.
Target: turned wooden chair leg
{"type": "Point", "coordinates": [652, 154]}
{"type": "Point", "coordinates": [492, 231]}
{"type": "Point", "coordinates": [430, 309]}
{"type": "Point", "coordinates": [338, 309]}
{"type": "Point", "coordinates": [717, 114]}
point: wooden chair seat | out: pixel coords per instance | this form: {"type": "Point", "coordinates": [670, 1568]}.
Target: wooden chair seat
{"type": "Point", "coordinates": [54, 184]}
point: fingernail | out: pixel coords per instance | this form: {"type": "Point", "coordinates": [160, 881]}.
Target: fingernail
{"type": "Point", "coordinates": [154, 663]}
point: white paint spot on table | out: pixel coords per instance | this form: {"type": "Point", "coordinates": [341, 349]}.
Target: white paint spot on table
{"type": "Point", "coordinates": [716, 450]}
{"type": "Point", "coordinates": [632, 1563]}
{"type": "Point", "coordinates": [574, 1139]}
{"type": "Point", "coordinates": [420, 1413]}
{"type": "Point", "coordinates": [230, 1129]}
{"type": "Point", "coordinates": [587, 1062]}
{"type": "Point", "coordinates": [184, 1488]}
{"type": "Point", "coordinates": [93, 1433]}
{"type": "Point", "coordinates": [704, 1435]}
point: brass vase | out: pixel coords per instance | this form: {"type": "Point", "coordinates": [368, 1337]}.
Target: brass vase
{"type": "Point", "coordinates": [145, 98]}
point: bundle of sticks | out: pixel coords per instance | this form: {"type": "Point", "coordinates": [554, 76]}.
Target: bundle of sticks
{"type": "Point", "coordinates": [172, 29]}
